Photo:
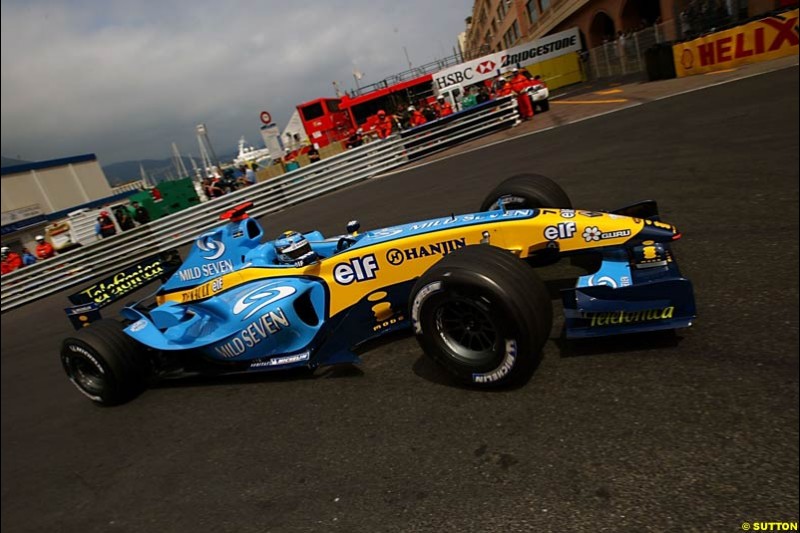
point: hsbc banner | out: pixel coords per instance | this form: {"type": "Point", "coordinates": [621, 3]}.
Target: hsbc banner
{"type": "Point", "coordinates": [523, 55]}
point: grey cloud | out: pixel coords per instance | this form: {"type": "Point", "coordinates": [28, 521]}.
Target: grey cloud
{"type": "Point", "coordinates": [124, 79]}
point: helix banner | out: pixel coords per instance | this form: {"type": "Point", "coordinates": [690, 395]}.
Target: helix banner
{"type": "Point", "coordinates": [761, 40]}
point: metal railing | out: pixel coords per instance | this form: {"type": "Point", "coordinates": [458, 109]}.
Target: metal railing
{"type": "Point", "coordinates": [109, 255]}
{"type": "Point", "coordinates": [625, 55]}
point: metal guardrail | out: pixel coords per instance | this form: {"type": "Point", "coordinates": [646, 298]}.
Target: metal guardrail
{"type": "Point", "coordinates": [109, 255]}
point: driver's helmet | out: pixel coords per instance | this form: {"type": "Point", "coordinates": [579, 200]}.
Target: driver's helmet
{"type": "Point", "coordinates": [39, 238]}
{"type": "Point", "coordinates": [291, 248]}
{"type": "Point", "coordinates": [4, 251]}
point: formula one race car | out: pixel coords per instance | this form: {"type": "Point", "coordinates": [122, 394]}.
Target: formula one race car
{"type": "Point", "coordinates": [465, 284]}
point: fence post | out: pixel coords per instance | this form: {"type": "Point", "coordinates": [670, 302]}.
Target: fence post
{"type": "Point", "coordinates": [608, 61]}
{"type": "Point", "coordinates": [638, 52]}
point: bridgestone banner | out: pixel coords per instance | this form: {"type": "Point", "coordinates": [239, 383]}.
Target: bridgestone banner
{"type": "Point", "coordinates": [523, 55]}
{"type": "Point", "coordinates": [761, 40]}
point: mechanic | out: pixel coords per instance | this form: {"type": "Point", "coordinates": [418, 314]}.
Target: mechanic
{"type": "Point", "coordinates": [520, 84]}
{"type": "Point", "coordinates": [504, 89]}
{"type": "Point", "coordinates": [384, 124]}
{"type": "Point", "coordinates": [417, 118]}
{"type": "Point", "coordinates": [292, 248]}
{"type": "Point", "coordinates": [10, 260]}
{"type": "Point", "coordinates": [444, 107]}
{"type": "Point", "coordinates": [44, 250]}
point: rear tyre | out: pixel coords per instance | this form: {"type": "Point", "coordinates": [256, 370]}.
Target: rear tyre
{"type": "Point", "coordinates": [483, 315]}
{"type": "Point", "coordinates": [544, 105]}
{"type": "Point", "coordinates": [102, 362]}
{"type": "Point", "coordinates": [526, 191]}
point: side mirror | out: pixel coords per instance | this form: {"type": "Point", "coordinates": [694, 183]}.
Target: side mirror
{"type": "Point", "coordinates": [353, 226]}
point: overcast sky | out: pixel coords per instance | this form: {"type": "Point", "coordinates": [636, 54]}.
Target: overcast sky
{"type": "Point", "coordinates": [124, 79]}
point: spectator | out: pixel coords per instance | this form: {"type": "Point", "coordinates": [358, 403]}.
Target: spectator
{"type": "Point", "coordinates": [429, 112]}
{"type": "Point", "coordinates": [27, 257]}
{"type": "Point", "coordinates": [416, 118]}
{"type": "Point", "coordinates": [470, 99]}
{"type": "Point", "coordinates": [105, 226]}
{"type": "Point", "coordinates": [356, 139]}
{"type": "Point", "coordinates": [10, 260]}
{"type": "Point", "coordinates": [44, 250]}
{"type": "Point", "coordinates": [215, 189]}
{"type": "Point", "coordinates": [313, 153]}
{"type": "Point", "coordinates": [140, 214]}
{"type": "Point", "coordinates": [124, 218]}
{"type": "Point", "coordinates": [250, 175]}
{"type": "Point", "coordinates": [482, 96]}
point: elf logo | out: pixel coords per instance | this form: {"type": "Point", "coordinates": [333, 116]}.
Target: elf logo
{"type": "Point", "coordinates": [357, 269]}
{"type": "Point", "coordinates": [563, 230]}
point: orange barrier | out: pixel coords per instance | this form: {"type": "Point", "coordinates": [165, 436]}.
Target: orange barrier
{"type": "Point", "coordinates": [761, 40]}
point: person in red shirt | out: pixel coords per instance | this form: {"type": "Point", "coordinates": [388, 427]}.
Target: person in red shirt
{"type": "Point", "coordinates": [10, 260]}
{"type": "Point", "coordinates": [44, 250]}
{"type": "Point", "coordinates": [415, 117]}
{"type": "Point", "coordinates": [520, 84]}
{"type": "Point", "coordinates": [384, 125]}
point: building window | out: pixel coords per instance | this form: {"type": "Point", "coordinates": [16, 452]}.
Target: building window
{"type": "Point", "coordinates": [511, 35]}
{"type": "Point", "coordinates": [545, 5]}
{"type": "Point", "coordinates": [533, 12]}
{"type": "Point", "coordinates": [502, 9]}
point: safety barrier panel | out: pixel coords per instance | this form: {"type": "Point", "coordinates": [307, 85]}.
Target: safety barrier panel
{"type": "Point", "coordinates": [761, 40]}
{"type": "Point", "coordinates": [112, 254]}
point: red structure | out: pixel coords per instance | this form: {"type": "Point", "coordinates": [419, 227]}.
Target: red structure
{"type": "Point", "coordinates": [328, 120]}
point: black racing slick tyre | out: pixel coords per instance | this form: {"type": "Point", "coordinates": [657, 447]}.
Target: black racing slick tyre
{"type": "Point", "coordinates": [483, 315]}
{"type": "Point", "coordinates": [544, 105]}
{"type": "Point", "coordinates": [526, 191]}
{"type": "Point", "coordinates": [102, 362]}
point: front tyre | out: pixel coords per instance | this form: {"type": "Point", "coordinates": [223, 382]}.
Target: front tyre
{"type": "Point", "coordinates": [526, 191]}
{"type": "Point", "coordinates": [103, 363]}
{"type": "Point", "coordinates": [483, 315]}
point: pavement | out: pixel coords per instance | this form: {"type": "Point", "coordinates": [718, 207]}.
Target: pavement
{"type": "Point", "coordinates": [696, 431]}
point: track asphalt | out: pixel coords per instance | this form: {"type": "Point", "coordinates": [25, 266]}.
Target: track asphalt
{"type": "Point", "coordinates": [692, 432]}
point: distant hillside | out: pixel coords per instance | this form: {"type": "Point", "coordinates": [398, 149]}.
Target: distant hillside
{"type": "Point", "coordinates": [157, 169]}
{"type": "Point", "coordinates": [10, 161]}
{"type": "Point", "coordinates": [127, 171]}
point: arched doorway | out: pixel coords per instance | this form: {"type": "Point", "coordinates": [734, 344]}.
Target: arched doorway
{"type": "Point", "coordinates": [601, 30]}
{"type": "Point", "coordinates": [637, 14]}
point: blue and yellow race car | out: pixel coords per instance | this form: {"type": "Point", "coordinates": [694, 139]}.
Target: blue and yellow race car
{"type": "Point", "coordinates": [466, 284]}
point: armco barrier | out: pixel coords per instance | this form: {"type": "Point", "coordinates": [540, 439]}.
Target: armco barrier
{"type": "Point", "coordinates": [103, 258]}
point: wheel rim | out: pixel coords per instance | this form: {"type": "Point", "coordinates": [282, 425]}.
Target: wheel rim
{"type": "Point", "coordinates": [86, 375]}
{"type": "Point", "coordinates": [468, 330]}
{"type": "Point", "coordinates": [508, 201]}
